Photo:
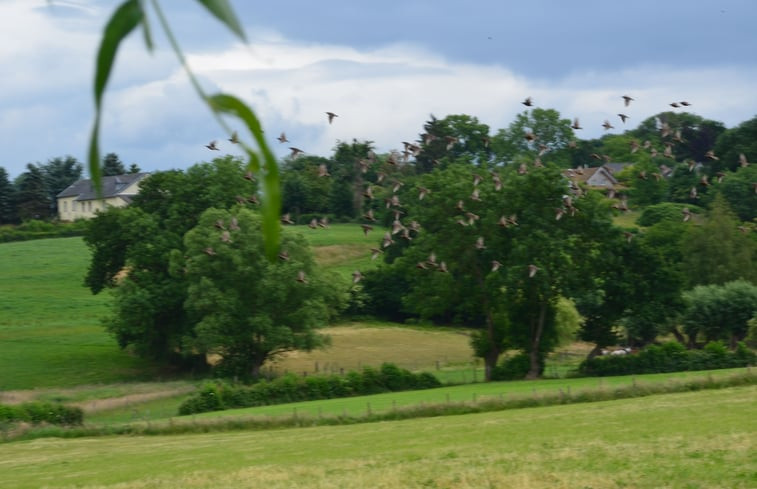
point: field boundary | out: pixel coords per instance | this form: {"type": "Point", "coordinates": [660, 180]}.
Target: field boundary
{"type": "Point", "coordinates": [176, 426]}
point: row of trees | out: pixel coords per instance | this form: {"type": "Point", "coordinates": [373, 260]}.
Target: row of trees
{"type": "Point", "coordinates": [690, 137]}
{"type": "Point", "coordinates": [482, 232]}
{"type": "Point", "coordinates": [607, 271]}
{"type": "Point", "coordinates": [32, 194]}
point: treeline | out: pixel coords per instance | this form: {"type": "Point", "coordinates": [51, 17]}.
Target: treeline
{"type": "Point", "coordinates": [32, 194]}
{"type": "Point", "coordinates": [472, 227]}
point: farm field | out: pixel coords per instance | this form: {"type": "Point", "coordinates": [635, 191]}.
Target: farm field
{"type": "Point", "coordinates": [690, 440]}
{"type": "Point", "coordinates": [50, 332]}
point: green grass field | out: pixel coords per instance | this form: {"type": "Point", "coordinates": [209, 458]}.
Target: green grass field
{"type": "Point", "coordinates": [52, 347]}
{"type": "Point", "coordinates": [50, 332]}
{"type": "Point", "coordinates": [162, 409]}
{"type": "Point", "coordinates": [692, 440]}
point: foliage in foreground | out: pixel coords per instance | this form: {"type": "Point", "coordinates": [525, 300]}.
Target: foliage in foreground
{"type": "Point", "coordinates": [290, 388]}
{"type": "Point", "coordinates": [669, 357]}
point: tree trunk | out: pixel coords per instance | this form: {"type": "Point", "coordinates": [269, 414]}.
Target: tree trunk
{"type": "Point", "coordinates": [490, 361]}
{"type": "Point", "coordinates": [595, 352]}
{"type": "Point", "coordinates": [255, 371]}
{"type": "Point", "coordinates": [679, 336]}
{"type": "Point", "coordinates": [535, 371]}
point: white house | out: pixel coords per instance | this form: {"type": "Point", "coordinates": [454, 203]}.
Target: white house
{"type": "Point", "coordinates": [80, 200]}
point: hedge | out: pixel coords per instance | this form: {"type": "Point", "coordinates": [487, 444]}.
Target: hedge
{"type": "Point", "coordinates": [669, 357]}
{"type": "Point", "coordinates": [41, 412]}
{"type": "Point", "coordinates": [219, 395]}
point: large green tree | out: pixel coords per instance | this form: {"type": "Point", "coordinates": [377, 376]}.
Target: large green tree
{"type": "Point", "coordinates": [738, 188]}
{"type": "Point", "coordinates": [719, 312]}
{"type": "Point", "coordinates": [247, 309]}
{"type": "Point", "coordinates": [535, 133]}
{"type": "Point", "coordinates": [112, 165]}
{"type": "Point", "coordinates": [741, 139]}
{"type": "Point", "coordinates": [32, 198]}
{"type": "Point", "coordinates": [716, 251]}
{"type": "Point", "coordinates": [7, 199]}
{"type": "Point", "coordinates": [507, 256]}
{"type": "Point", "coordinates": [58, 174]}
{"type": "Point", "coordinates": [455, 137]}
{"type": "Point", "coordinates": [148, 311]}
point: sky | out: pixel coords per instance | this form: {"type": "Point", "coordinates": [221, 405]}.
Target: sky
{"type": "Point", "coordinates": [383, 67]}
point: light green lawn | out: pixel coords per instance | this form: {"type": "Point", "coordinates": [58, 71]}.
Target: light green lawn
{"type": "Point", "coordinates": [695, 440]}
{"type": "Point", "coordinates": [50, 332]}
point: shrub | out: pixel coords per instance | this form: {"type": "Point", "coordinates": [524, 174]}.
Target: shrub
{"type": "Point", "coordinates": [42, 412]}
{"type": "Point", "coordinates": [512, 368]}
{"type": "Point", "coordinates": [669, 357]}
{"type": "Point", "coordinates": [289, 388]}
{"type": "Point", "coordinates": [35, 229]}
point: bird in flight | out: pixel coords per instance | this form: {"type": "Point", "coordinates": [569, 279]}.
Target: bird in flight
{"type": "Point", "coordinates": [234, 139]}
{"type": "Point", "coordinates": [627, 100]}
{"type": "Point", "coordinates": [295, 152]}
{"type": "Point", "coordinates": [528, 102]}
{"type": "Point", "coordinates": [283, 138]}
{"type": "Point", "coordinates": [331, 116]}
{"type": "Point", "coordinates": [212, 146]}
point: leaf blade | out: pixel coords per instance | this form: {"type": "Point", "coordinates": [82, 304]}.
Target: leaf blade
{"type": "Point", "coordinates": [271, 198]}
{"type": "Point", "coordinates": [124, 20]}
{"type": "Point", "coordinates": [222, 10]}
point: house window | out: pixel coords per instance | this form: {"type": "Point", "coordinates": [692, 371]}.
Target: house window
{"type": "Point", "coordinates": [73, 206]}
{"type": "Point", "coordinates": [65, 206]}
{"type": "Point", "coordinates": [89, 206]}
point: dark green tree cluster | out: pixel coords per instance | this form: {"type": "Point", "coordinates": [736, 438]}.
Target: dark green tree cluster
{"type": "Point", "coordinates": [189, 277]}
{"type": "Point", "coordinates": [32, 195]}
{"type": "Point", "coordinates": [486, 231]}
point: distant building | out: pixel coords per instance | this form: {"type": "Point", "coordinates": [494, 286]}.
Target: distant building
{"type": "Point", "coordinates": [81, 201]}
{"type": "Point", "coordinates": [596, 177]}
{"type": "Point", "coordinates": [616, 168]}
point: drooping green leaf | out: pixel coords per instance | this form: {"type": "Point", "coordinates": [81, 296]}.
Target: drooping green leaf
{"type": "Point", "coordinates": [223, 11]}
{"type": "Point", "coordinates": [271, 198]}
{"type": "Point", "coordinates": [146, 32]}
{"type": "Point", "coordinates": [126, 17]}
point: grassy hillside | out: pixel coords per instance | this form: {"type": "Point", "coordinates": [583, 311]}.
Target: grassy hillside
{"type": "Point", "coordinates": [50, 334]}
{"type": "Point", "coordinates": [658, 441]}
{"type": "Point", "coordinates": [342, 248]}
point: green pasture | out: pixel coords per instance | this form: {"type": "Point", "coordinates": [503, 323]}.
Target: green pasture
{"type": "Point", "coordinates": [343, 247]}
{"type": "Point", "coordinates": [50, 332]}
{"type": "Point", "coordinates": [703, 439]}
{"type": "Point", "coordinates": [160, 410]}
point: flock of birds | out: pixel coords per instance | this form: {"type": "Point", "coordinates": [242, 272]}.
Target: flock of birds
{"type": "Point", "coordinates": [399, 230]}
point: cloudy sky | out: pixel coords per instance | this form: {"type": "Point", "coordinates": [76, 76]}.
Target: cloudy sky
{"type": "Point", "coordinates": [383, 67]}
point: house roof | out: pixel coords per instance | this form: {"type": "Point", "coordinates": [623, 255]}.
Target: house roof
{"type": "Point", "coordinates": [584, 175]}
{"type": "Point", "coordinates": [112, 186]}
{"type": "Point", "coordinates": [616, 167]}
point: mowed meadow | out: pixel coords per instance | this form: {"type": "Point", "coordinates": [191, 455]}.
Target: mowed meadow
{"type": "Point", "coordinates": [53, 347]}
